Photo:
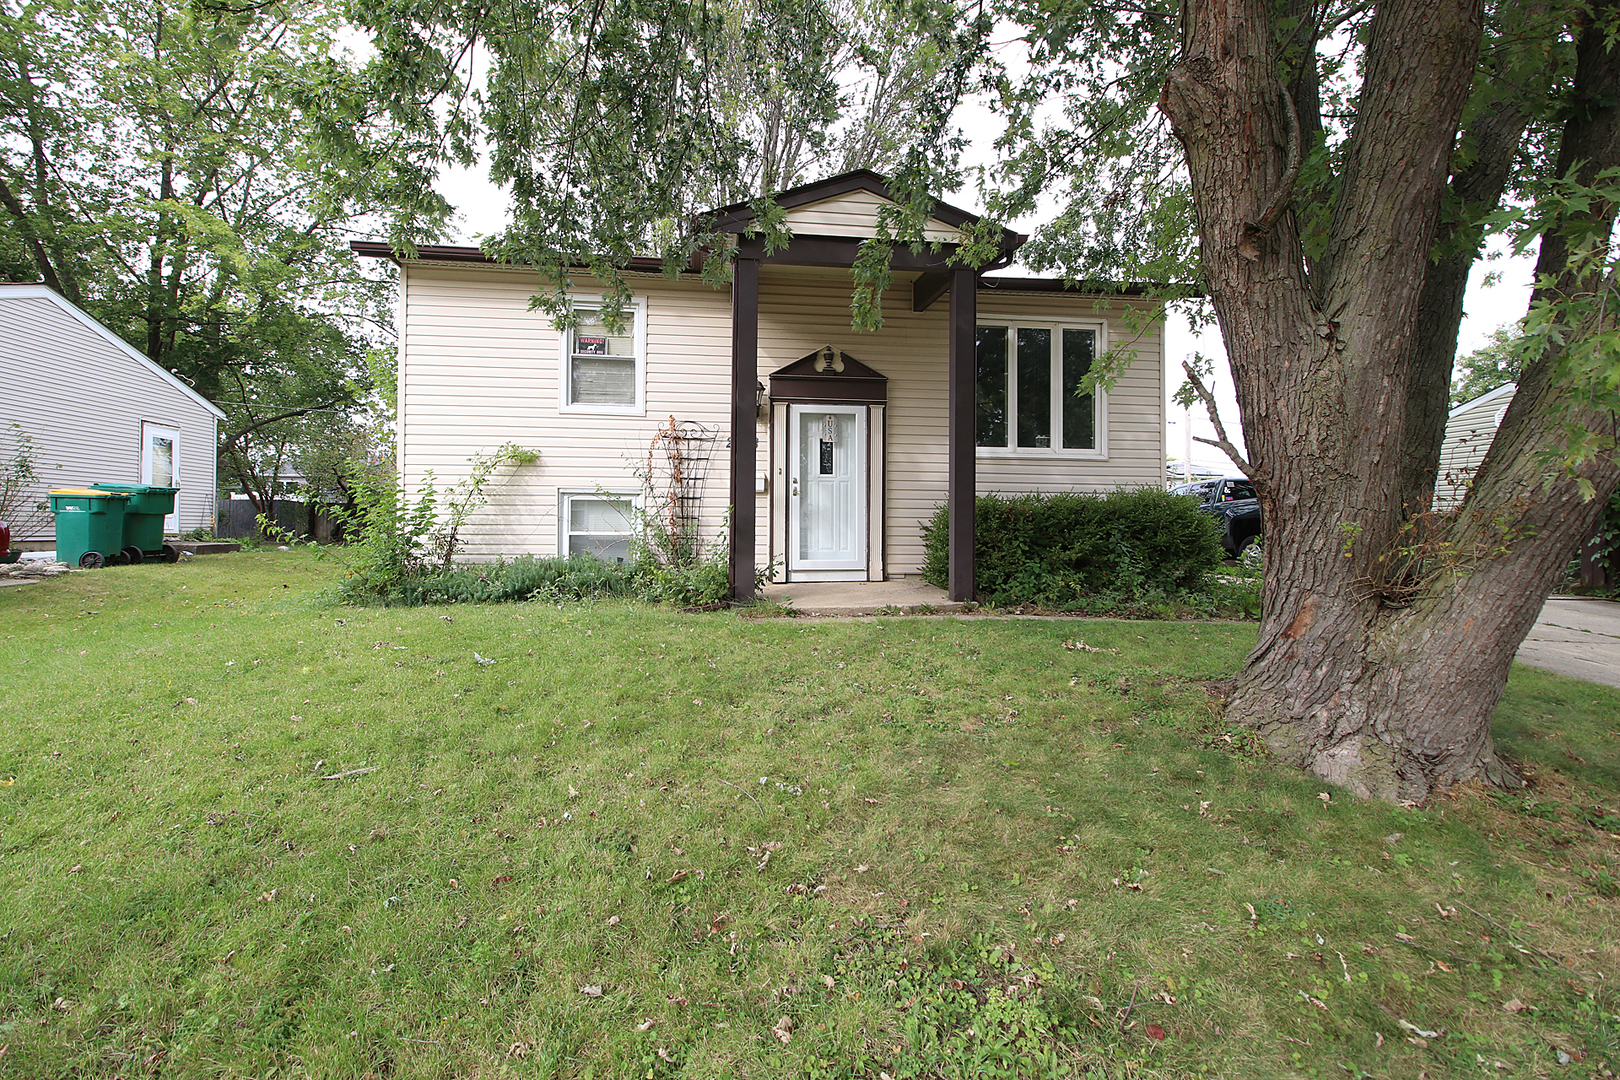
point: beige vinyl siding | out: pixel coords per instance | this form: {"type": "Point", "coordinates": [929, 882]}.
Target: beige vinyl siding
{"type": "Point", "coordinates": [803, 309]}
{"type": "Point", "coordinates": [480, 370]}
{"type": "Point", "coordinates": [855, 214]}
{"type": "Point", "coordinates": [1469, 430]}
{"type": "Point", "coordinates": [83, 396]}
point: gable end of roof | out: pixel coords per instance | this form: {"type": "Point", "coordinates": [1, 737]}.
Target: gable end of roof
{"type": "Point", "coordinates": [75, 312]}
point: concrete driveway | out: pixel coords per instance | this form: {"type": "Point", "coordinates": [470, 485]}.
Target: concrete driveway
{"type": "Point", "coordinates": [1576, 637]}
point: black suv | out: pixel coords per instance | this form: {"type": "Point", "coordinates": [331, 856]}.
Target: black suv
{"type": "Point", "coordinates": [1235, 508]}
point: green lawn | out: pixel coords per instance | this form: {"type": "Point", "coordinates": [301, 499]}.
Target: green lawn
{"type": "Point", "coordinates": [641, 843]}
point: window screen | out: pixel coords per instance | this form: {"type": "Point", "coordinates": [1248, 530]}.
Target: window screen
{"type": "Point", "coordinates": [602, 363]}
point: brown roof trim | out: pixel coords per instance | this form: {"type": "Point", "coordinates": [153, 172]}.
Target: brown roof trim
{"type": "Point", "coordinates": [374, 249]}
{"type": "Point", "coordinates": [728, 218]}
{"type": "Point", "coordinates": [1147, 289]}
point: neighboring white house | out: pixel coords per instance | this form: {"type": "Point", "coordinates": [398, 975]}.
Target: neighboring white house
{"type": "Point", "coordinates": [1470, 427]}
{"type": "Point", "coordinates": [832, 446]}
{"type": "Point", "coordinates": [97, 410]}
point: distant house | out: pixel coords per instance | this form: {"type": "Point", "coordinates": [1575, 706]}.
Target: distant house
{"type": "Point", "coordinates": [830, 447]}
{"type": "Point", "coordinates": [98, 410]}
{"type": "Point", "coordinates": [1470, 427]}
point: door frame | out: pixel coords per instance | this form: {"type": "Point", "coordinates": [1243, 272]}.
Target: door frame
{"type": "Point", "coordinates": [171, 522]}
{"type": "Point", "coordinates": [853, 569]}
{"type": "Point", "coordinates": [784, 415]}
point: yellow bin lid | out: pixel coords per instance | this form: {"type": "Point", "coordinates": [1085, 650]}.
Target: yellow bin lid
{"type": "Point", "coordinates": [89, 491]}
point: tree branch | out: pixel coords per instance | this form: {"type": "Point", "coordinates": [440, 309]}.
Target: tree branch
{"type": "Point", "coordinates": [1220, 439]}
{"type": "Point", "coordinates": [230, 440]}
{"type": "Point", "coordinates": [1253, 231]}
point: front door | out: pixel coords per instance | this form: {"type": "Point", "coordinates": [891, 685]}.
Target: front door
{"type": "Point", "coordinates": [827, 493]}
{"type": "Point", "coordinates": [160, 464]}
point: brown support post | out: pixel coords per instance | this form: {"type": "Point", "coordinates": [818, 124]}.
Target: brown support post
{"type": "Point", "coordinates": [744, 411]}
{"type": "Point", "coordinates": [961, 428]}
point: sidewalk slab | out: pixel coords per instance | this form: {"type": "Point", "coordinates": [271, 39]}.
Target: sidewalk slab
{"type": "Point", "coordinates": [1579, 638]}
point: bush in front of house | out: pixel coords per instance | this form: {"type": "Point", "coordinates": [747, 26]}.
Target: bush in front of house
{"type": "Point", "coordinates": [1068, 551]}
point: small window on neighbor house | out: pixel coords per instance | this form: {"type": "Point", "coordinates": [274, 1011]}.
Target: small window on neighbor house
{"type": "Point", "coordinates": [598, 524]}
{"type": "Point", "coordinates": [603, 367]}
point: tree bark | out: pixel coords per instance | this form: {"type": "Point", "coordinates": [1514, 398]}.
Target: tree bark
{"type": "Point", "coordinates": [1323, 360]}
{"type": "Point", "coordinates": [1387, 634]}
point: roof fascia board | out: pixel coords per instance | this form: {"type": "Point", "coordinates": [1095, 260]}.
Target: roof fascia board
{"type": "Point", "coordinates": [1490, 397]}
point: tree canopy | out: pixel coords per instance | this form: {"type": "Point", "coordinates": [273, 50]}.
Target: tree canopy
{"type": "Point", "coordinates": [191, 174]}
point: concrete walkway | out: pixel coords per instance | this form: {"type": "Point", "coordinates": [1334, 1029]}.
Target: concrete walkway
{"type": "Point", "coordinates": [1580, 638]}
{"type": "Point", "coordinates": [1575, 637]}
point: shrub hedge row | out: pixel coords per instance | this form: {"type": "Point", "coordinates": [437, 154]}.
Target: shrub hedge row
{"type": "Point", "coordinates": [1060, 550]}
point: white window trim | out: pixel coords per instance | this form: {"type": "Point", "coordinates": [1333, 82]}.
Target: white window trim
{"type": "Point", "coordinates": [564, 495]}
{"type": "Point", "coordinates": [565, 365]}
{"type": "Point", "coordinates": [1100, 406]}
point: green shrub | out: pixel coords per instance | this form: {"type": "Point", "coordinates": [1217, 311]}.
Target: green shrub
{"type": "Point", "coordinates": [582, 577]}
{"type": "Point", "coordinates": [1064, 550]}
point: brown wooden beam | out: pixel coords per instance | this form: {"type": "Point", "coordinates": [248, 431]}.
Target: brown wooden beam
{"type": "Point", "coordinates": [744, 411]}
{"type": "Point", "coordinates": [929, 288]}
{"type": "Point", "coordinates": [961, 425]}
{"type": "Point", "coordinates": [840, 251]}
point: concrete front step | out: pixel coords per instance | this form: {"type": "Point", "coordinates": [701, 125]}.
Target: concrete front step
{"type": "Point", "coordinates": [908, 596]}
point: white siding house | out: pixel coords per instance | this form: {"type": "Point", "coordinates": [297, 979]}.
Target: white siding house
{"type": "Point", "coordinates": [845, 453]}
{"type": "Point", "coordinates": [1470, 427]}
{"type": "Point", "coordinates": [98, 411]}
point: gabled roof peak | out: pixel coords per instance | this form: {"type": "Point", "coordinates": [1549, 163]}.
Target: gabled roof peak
{"type": "Point", "coordinates": [738, 216]}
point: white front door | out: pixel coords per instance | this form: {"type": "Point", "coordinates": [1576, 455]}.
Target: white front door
{"type": "Point", "coordinates": [827, 492]}
{"type": "Point", "coordinates": [160, 464]}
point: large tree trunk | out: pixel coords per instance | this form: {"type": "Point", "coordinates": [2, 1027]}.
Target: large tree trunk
{"type": "Point", "coordinates": [1378, 667]}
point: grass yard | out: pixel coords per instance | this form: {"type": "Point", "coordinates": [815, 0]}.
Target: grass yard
{"type": "Point", "coordinates": [245, 834]}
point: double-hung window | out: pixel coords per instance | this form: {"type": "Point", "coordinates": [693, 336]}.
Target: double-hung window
{"type": "Point", "coordinates": [604, 369]}
{"type": "Point", "coordinates": [597, 523]}
{"type": "Point", "coordinates": [1027, 378]}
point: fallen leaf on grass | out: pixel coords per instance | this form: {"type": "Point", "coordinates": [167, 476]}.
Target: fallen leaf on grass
{"type": "Point", "coordinates": [1408, 938]}
{"type": "Point", "coordinates": [1441, 964]}
{"type": "Point", "coordinates": [663, 1055]}
{"type": "Point", "coordinates": [783, 1030]}
{"type": "Point", "coordinates": [613, 921]}
{"type": "Point", "coordinates": [591, 991]}
{"type": "Point", "coordinates": [76, 868]}
{"type": "Point", "coordinates": [679, 875]}
{"type": "Point", "coordinates": [863, 868]}
{"type": "Point", "coordinates": [647, 1025]}
{"type": "Point", "coordinates": [1514, 1006]}
{"type": "Point", "coordinates": [1415, 1030]}
{"type": "Point", "coordinates": [1154, 1031]}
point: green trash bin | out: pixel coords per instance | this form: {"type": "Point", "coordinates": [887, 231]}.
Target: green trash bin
{"type": "Point", "coordinates": [89, 525]}
{"type": "Point", "coordinates": [148, 505]}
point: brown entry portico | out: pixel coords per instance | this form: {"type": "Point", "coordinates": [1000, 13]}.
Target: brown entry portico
{"type": "Point", "coordinates": [939, 276]}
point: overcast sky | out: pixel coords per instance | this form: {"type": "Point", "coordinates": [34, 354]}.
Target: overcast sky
{"type": "Point", "coordinates": [1489, 305]}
